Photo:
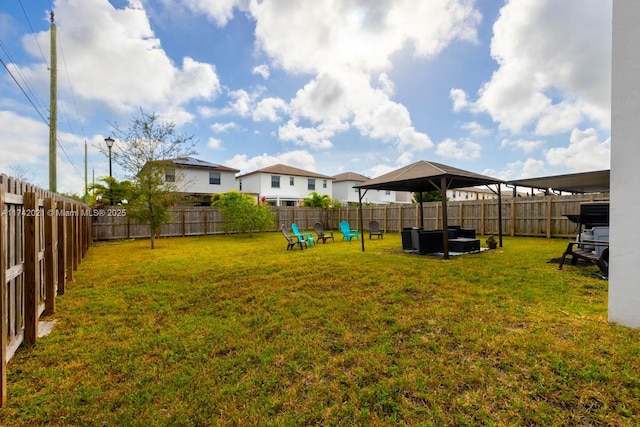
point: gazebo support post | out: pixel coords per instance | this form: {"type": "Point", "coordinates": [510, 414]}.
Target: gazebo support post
{"type": "Point", "coordinates": [421, 209]}
{"type": "Point", "coordinates": [445, 219]}
{"type": "Point", "coordinates": [500, 214]}
{"type": "Point", "coordinates": [360, 196]}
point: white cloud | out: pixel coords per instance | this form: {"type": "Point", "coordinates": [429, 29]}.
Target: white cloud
{"type": "Point", "coordinates": [386, 85]}
{"type": "Point", "coordinates": [131, 70]}
{"type": "Point", "coordinates": [459, 98]}
{"type": "Point", "coordinates": [521, 144]}
{"type": "Point", "coordinates": [461, 150]}
{"type": "Point", "coordinates": [357, 40]}
{"type": "Point", "coordinates": [242, 103]}
{"type": "Point", "coordinates": [223, 127]}
{"type": "Point", "coordinates": [24, 140]}
{"type": "Point", "coordinates": [269, 109]}
{"type": "Point", "coordinates": [300, 159]}
{"type": "Point", "coordinates": [360, 35]}
{"type": "Point", "coordinates": [554, 66]}
{"type": "Point", "coordinates": [528, 169]}
{"type": "Point", "coordinates": [404, 159]}
{"type": "Point", "coordinates": [559, 118]}
{"type": "Point", "coordinates": [476, 129]}
{"type": "Point", "coordinates": [219, 11]}
{"type": "Point", "coordinates": [585, 152]}
{"type": "Point", "coordinates": [215, 143]}
{"type": "Point", "coordinates": [262, 70]}
{"type": "Point", "coordinates": [315, 137]}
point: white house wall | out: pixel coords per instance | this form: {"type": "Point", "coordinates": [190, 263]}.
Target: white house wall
{"type": "Point", "coordinates": [344, 192]}
{"type": "Point", "coordinates": [261, 184]}
{"type": "Point", "coordinates": [624, 268]}
{"type": "Point", "coordinates": [197, 181]}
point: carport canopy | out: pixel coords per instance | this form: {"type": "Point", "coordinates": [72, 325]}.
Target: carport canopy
{"type": "Point", "coordinates": [584, 182]}
{"type": "Point", "coordinates": [424, 176]}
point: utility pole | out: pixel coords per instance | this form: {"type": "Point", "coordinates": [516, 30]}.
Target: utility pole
{"type": "Point", "coordinates": [53, 112]}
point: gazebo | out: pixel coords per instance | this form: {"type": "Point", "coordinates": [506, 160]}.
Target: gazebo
{"type": "Point", "coordinates": [424, 176]}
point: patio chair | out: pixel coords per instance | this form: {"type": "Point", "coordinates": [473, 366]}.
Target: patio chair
{"type": "Point", "coordinates": [347, 232]}
{"type": "Point", "coordinates": [308, 237]}
{"type": "Point", "coordinates": [374, 230]}
{"type": "Point", "coordinates": [292, 241]}
{"type": "Point", "coordinates": [323, 235]}
{"type": "Point", "coordinates": [595, 252]}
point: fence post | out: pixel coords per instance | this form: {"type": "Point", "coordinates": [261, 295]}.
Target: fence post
{"type": "Point", "coordinates": [31, 270]}
{"type": "Point", "coordinates": [512, 217]}
{"type": "Point", "coordinates": [482, 207]}
{"type": "Point", "coordinates": [50, 255]}
{"type": "Point", "coordinates": [76, 237]}
{"type": "Point", "coordinates": [62, 248]}
{"type": "Point", "coordinates": [3, 302]}
{"type": "Point", "coordinates": [69, 241]}
{"type": "Point", "coordinates": [549, 217]}
{"type": "Point", "coordinates": [184, 222]}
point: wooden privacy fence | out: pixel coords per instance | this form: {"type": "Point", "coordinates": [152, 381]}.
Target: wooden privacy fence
{"type": "Point", "coordinates": [43, 237]}
{"type": "Point", "coordinates": [521, 216]}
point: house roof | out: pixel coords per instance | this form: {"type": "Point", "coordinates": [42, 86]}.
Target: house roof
{"type": "Point", "coordinates": [423, 176]}
{"type": "Point", "coordinates": [280, 169]}
{"type": "Point", "coordinates": [350, 176]}
{"type": "Point", "coordinates": [585, 182]}
{"type": "Point", "coordinates": [197, 163]}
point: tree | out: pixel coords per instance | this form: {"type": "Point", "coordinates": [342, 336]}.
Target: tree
{"type": "Point", "coordinates": [143, 150]}
{"type": "Point", "coordinates": [316, 200]}
{"type": "Point", "coordinates": [241, 213]}
{"type": "Point", "coordinates": [112, 188]}
{"type": "Point", "coordinates": [428, 196]}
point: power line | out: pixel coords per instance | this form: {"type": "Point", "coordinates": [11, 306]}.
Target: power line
{"type": "Point", "coordinates": [31, 95]}
{"type": "Point", "coordinates": [33, 33]}
{"type": "Point", "coordinates": [73, 95]}
{"type": "Point", "coordinates": [24, 92]}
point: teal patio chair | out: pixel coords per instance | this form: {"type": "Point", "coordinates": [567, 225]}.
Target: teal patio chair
{"type": "Point", "coordinates": [347, 232]}
{"type": "Point", "coordinates": [307, 237]}
{"type": "Point", "coordinates": [292, 241]}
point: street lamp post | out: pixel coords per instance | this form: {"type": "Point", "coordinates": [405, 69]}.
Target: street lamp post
{"type": "Point", "coordinates": [109, 141]}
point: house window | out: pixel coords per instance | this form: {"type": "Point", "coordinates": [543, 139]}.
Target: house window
{"type": "Point", "coordinates": [324, 183]}
{"type": "Point", "coordinates": [311, 184]}
{"type": "Point", "coordinates": [240, 183]}
{"type": "Point", "coordinates": [291, 180]}
{"type": "Point", "coordinates": [275, 181]}
{"type": "Point", "coordinates": [387, 192]}
{"type": "Point", "coordinates": [214, 178]}
{"type": "Point", "coordinates": [170, 176]}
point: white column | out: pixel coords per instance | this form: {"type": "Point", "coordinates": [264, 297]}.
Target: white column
{"type": "Point", "coordinates": [624, 274]}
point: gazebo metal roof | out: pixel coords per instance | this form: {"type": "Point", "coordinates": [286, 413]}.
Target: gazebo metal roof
{"type": "Point", "coordinates": [584, 182]}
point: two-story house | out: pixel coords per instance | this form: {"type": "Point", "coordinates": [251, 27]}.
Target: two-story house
{"type": "Point", "coordinates": [282, 185]}
{"type": "Point", "coordinates": [344, 192]}
{"type": "Point", "coordinates": [197, 179]}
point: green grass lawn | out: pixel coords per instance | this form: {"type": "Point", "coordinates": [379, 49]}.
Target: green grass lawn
{"type": "Point", "coordinates": [233, 330]}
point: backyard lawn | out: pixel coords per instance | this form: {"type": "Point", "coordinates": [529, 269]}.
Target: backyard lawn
{"type": "Point", "coordinates": [235, 330]}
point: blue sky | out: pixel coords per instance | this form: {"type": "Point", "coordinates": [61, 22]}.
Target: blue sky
{"type": "Point", "coordinates": [511, 89]}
